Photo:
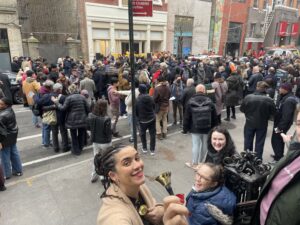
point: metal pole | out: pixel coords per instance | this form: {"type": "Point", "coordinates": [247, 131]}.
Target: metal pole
{"type": "Point", "coordinates": [131, 50]}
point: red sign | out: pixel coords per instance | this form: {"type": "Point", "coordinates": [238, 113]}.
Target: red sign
{"type": "Point", "coordinates": [142, 8]}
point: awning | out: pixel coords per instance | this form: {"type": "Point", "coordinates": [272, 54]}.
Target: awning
{"type": "Point", "coordinates": [295, 29]}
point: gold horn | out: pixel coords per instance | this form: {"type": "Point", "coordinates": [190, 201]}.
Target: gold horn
{"type": "Point", "coordinates": [165, 180]}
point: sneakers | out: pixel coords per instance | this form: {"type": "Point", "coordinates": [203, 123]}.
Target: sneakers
{"type": "Point", "coordinates": [131, 140]}
{"type": "Point", "coordinates": [18, 174]}
{"type": "Point", "coordinates": [227, 119]}
{"type": "Point", "coordinates": [164, 135]}
{"type": "Point", "coordinates": [159, 136]}
{"type": "Point", "coordinates": [145, 151]}
{"type": "Point", "coordinates": [152, 153]}
{"type": "Point", "coordinates": [233, 117]}
{"type": "Point", "coordinates": [190, 165]}
{"type": "Point", "coordinates": [183, 132]}
{"type": "Point", "coordinates": [117, 135]}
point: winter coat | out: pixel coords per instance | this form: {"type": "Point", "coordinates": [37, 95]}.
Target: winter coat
{"type": "Point", "coordinates": [30, 87]}
{"type": "Point", "coordinates": [161, 96]}
{"type": "Point", "coordinates": [284, 115]}
{"type": "Point", "coordinates": [217, 157]}
{"type": "Point", "coordinates": [8, 127]}
{"type": "Point", "coordinates": [100, 127]}
{"type": "Point", "coordinates": [128, 99]}
{"type": "Point", "coordinates": [5, 86]}
{"type": "Point", "coordinates": [188, 92]}
{"type": "Point", "coordinates": [235, 90]}
{"type": "Point", "coordinates": [258, 109]}
{"type": "Point", "coordinates": [285, 207]}
{"type": "Point", "coordinates": [177, 90]}
{"type": "Point", "coordinates": [77, 109]}
{"type": "Point", "coordinates": [220, 93]}
{"type": "Point", "coordinates": [117, 208]}
{"type": "Point", "coordinates": [188, 123]}
{"type": "Point", "coordinates": [220, 197]}
{"type": "Point", "coordinates": [89, 85]}
{"type": "Point", "coordinates": [145, 107]}
{"type": "Point", "coordinates": [253, 81]}
{"type": "Point", "coordinates": [101, 80]}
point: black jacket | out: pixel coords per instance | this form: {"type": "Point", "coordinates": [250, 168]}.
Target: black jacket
{"type": "Point", "coordinates": [5, 86]}
{"type": "Point", "coordinates": [188, 124]}
{"type": "Point", "coordinates": [77, 109]}
{"type": "Point", "coordinates": [188, 92]}
{"type": "Point", "coordinates": [258, 108]}
{"type": "Point", "coordinates": [253, 81]}
{"type": "Point", "coordinates": [100, 127]}
{"type": "Point", "coordinates": [284, 116]}
{"type": "Point", "coordinates": [8, 127]}
{"type": "Point", "coordinates": [145, 107]}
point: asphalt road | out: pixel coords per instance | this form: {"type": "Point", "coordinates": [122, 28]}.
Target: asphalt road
{"type": "Point", "coordinates": [56, 188]}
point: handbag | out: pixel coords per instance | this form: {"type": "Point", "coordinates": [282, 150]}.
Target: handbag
{"type": "Point", "coordinates": [49, 117]}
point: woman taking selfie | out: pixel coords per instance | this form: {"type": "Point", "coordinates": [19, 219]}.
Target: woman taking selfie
{"type": "Point", "coordinates": [210, 202]}
{"type": "Point", "coordinates": [126, 199]}
{"type": "Point", "coordinates": [219, 145]}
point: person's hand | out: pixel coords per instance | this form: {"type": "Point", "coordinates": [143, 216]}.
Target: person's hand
{"type": "Point", "coordinates": [286, 137]}
{"type": "Point", "coordinates": [155, 214]}
{"type": "Point", "coordinates": [175, 212]}
{"type": "Point", "coordinates": [0, 146]}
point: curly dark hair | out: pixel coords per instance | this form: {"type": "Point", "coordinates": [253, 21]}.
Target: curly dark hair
{"type": "Point", "coordinates": [229, 148]}
{"type": "Point", "coordinates": [100, 108]}
{"type": "Point", "coordinates": [104, 163]}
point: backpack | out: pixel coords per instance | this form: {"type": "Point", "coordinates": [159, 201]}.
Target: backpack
{"type": "Point", "coordinates": [36, 110]}
{"type": "Point", "coordinates": [201, 114]}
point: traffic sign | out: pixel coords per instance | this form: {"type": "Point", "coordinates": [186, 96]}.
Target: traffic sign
{"type": "Point", "coordinates": [142, 8]}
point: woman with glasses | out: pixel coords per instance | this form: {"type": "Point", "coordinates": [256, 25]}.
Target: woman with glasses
{"type": "Point", "coordinates": [126, 199]}
{"type": "Point", "coordinates": [209, 201]}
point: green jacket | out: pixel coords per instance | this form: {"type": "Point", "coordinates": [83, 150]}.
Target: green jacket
{"type": "Point", "coordinates": [285, 208]}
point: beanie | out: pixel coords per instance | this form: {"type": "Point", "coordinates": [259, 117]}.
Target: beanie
{"type": "Point", "coordinates": [142, 89]}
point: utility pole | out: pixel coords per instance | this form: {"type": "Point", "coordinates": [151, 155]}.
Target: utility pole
{"type": "Point", "coordinates": [131, 50]}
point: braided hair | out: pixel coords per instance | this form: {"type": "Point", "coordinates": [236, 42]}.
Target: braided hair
{"type": "Point", "coordinates": [104, 163]}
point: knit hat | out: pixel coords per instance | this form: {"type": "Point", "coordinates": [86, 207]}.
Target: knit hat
{"type": "Point", "coordinates": [142, 89]}
{"type": "Point", "coordinates": [286, 86]}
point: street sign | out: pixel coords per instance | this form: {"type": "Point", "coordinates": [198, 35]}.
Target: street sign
{"type": "Point", "coordinates": [142, 8]}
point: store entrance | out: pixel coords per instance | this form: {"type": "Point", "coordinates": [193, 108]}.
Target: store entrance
{"type": "Point", "coordinates": [4, 51]}
{"type": "Point", "coordinates": [125, 47]}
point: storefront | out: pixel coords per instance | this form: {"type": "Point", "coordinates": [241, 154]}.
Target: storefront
{"type": "Point", "coordinates": [107, 30]}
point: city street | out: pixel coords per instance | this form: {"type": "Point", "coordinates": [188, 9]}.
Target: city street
{"type": "Point", "coordinates": [56, 187]}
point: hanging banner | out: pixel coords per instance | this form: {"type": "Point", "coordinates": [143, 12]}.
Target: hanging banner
{"type": "Point", "coordinates": [295, 29]}
{"type": "Point", "coordinates": [283, 28]}
{"type": "Point", "coordinates": [142, 8]}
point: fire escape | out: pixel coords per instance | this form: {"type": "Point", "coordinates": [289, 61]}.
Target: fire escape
{"type": "Point", "coordinates": [267, 21]}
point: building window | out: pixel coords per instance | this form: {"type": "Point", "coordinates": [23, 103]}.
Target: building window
{"type": "Point", "coordinates": [124, 3]}
{"type": "Point", "coordinates": [4, 46]}
{"type": "Point", "coordinates": [298, 4]}
{"type": "Point", "coordinates": [252, 29]}
{"type": "Point", "coordinates": [183, 32]}
{"type": "Point", "coordinates": [157, 2]}
{"type": "Point", "coordinates": [265, 4]}
{"type": "Point", "coordinates": [291, 3]}
{"type": "Point", "coordinates": [255, 3]}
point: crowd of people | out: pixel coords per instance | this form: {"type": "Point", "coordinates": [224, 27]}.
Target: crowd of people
{"type": "Point", "coordinates": [89, 99]}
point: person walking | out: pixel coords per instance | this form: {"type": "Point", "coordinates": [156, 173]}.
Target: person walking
{"type": "Point", "coordinates": [145, 112]}
{"type": "Point", "coordinates": [258, 109]}
{"type": "Point", "coordinates": [10, 157]}
{"type": "Point", "coordinates": [199, 118]}
{"type": "Point", "coordinates": [176, 93]}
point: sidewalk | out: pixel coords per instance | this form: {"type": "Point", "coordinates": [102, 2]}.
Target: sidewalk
{"type": "Point", "coordinates": [65, 196]}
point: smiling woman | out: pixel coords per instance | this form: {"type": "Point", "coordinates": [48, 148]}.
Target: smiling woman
{"type": "Point", "coordinates": [126, 199]}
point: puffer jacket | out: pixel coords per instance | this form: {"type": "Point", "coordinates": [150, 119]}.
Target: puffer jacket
{"type": "Point", "coordinates": [100, 127]}
{"type": "Point", "coordinates": [188, 124]}
{"type": "Point", "coordinates": [220, 197]}
{"type": "Point", "coordinates": [258, 109]}
{"type": "Point", "coordinates": [77, 109]}
{"type": "Point", "coordinates": [8, 127]}
{"type": "Point", "coordinates": [234, 93]}
{"type": "Point", "coordinates": [145, 108]}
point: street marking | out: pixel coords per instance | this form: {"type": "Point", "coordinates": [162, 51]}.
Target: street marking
{"type": "Point", "coordinates": [29, 180]}
{"type": "Point", "coordinates": [29, 137]}
{"type": "Point", "coordinates": [45, 173]}
{"type": "Point", "coordinates": [21, 111]}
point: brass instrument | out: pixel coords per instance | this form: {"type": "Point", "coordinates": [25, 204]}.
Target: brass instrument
{"type": "Point", "coordinates": [165, 180]}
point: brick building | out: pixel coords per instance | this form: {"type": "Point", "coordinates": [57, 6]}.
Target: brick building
{"type": "Point", "coordinates": [107, 28]}
{"type": "Point", "coordinates": [272, 23]}
{"type": "Point", "coordinates": [228, 26]}
{"type": "Point", "coordinates": [10, 35]}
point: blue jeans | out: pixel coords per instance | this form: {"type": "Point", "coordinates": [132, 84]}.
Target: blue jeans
{"type": "Point", "coordinates": [11, 161]}
{"type": "Point", "coordinates": [199, 148]}
{"type": "Point", "coordinates": [260, 137]}
{"type": "Point", "coordinates": [46, 129]}
{"type": "Point", "coordinates": [35, 119]}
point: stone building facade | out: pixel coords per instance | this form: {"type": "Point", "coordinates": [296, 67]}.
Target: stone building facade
{"type": "Point", "coordinates": [107, 28]}
{"type": "Point", "coordinates": [188, 26]}
{"type": "Point", "coordinates": [10, 35]}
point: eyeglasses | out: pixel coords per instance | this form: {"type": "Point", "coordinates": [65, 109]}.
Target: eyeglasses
{"type": "Point", "coordinates": [199, 176]}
